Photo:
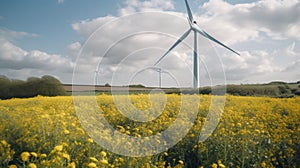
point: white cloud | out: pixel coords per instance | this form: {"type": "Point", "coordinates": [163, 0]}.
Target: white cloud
{"type": "Point", "coordinates": [242, 22]}
{"type": "Point", "coordinates": [13, 35]}
{"type": "Point", "coordinates": [294, 66]}
{"type": "Point", "coordinates": [279, 19]}
{"type": "Point", "coordinates": [10, 52]}
{"type": "Point", "coordinates": [60, 1]}
{"type": "Point", "coordinates": [88, 26]}
{"type": "Point", "coordinates": [133, 6]}
{"type": "Point", "coordinates": [16, 62]}
{"type": "Point", "coordinates": [243, 67]}
{"type": "Point", "coordinates": [73, 50]}
{"type": "Point", "coordinates": [13, 57]}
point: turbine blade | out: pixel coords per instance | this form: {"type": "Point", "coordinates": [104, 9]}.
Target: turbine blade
{"type": "Point", "coordinates": [174, 45]}
{"type": "Point", "coordinates": [203, 33]}
{"type": "Point", "coordinates": [189, 11]}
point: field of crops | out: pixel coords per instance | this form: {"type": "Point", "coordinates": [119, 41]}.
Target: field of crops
{"type": "Point", "coordinates": [252, 132]}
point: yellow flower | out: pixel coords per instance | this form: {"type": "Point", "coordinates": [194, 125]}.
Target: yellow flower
{"type": "Point", "coordinates": [25, 156]}
{"type": "Point", "coordinates": [180, 162]}
{"type": "Point", "coordinates": [214, 165]}
{"type": "Point", "coordinates": [92, 165]}
{"type": "Point", "coordinates": [4, 142]}
{"type": "Point", "coordinates": [121, 160]}
{"type": "Point", "coordinates": [66, 132]}
{"type": "Point", "coordinates": [72, 165]}
{"type": "Point", "coordinates": [12, 166]}
{"type": "Point", "coordinates": [103, 154]}
{"type": "Point", "coordinates": [104, 161]}
{"type": "Point", "coordinates": [93, 159]}
{"type": "Point", "coordinates": [58, 148]}
{"type": "Point", "coordinates": [121, 128]}
{"type": "Point", "coordinates": [43, 155]}
{"type": "Point", "coordinates": [34, 154]}
{"type": "Point", "coordinates": [45, 163]}
{"type": "Point", "coordinates": [90, 140]}
{"type": "Point", "coordinates": [221, 165]}
{"type": "Point", "coordinates": [32, 165]}
{"type": "Point", "coordinates": [66, 156]}
{"type": "Point", "coordinates": [150, 132]}
{"type": "Point", "coordinates": [263, 164]}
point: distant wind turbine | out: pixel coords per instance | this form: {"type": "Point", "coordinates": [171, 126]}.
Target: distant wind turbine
{"type": "Point", "coordinates": [96, 77]}
{"type": "Point", "coordinates": [196, 29]}
{"type": "Point", "coordinates": [160, 71]}
{"type": "Point", "coordinates": [157, 69]}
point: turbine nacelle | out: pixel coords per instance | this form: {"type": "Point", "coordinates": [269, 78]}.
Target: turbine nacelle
{"type": "Point", "coordinates": [192, 23]}
{"type": "Point", "coordinates": [194, 26]}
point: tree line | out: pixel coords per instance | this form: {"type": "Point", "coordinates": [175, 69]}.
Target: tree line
{"type": "Point", "coordinates": [279, 90]}
{"type": "Point", "coordinates": [33, 86]}
{"type": "Point", "coordinates": [273, 89]}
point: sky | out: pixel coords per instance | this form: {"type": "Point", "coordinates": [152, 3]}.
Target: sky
{"type": "Point", "coordinates": [120, 40]}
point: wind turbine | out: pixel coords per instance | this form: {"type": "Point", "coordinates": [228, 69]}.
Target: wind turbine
{"type": "Point", "coordinates": [160, 71]}
{"type": "Point", "coordinates": [196, 29]}
{"type": "Point", "coordinates": [96, 77]}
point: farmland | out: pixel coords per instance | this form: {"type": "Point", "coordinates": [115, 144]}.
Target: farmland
{"type": "Point", "coordinates": [252, 132]}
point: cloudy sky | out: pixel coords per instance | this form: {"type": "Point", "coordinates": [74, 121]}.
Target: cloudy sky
{"type": "Point", "coordinates": [122, 39]}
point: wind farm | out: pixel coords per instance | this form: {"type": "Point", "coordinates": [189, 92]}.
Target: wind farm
{"type": "Point", "coordinates": [195, 29]}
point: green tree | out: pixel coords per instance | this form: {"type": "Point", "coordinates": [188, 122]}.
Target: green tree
{"type": "Point", "coordinates": [50, 86]}
{"type": "Point", "coordinates": [46, 86]}
{"type": "Point", "coordinates": [4, 87]}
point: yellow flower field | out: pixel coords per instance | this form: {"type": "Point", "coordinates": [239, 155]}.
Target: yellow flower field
{"type": "Point", "coordinates": [252, 132]}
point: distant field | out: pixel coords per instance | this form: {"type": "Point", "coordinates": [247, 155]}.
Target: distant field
{"type": "Point", "coordinates": [82, 88]}
{"type": "Point", "coordinates": [273, 89]}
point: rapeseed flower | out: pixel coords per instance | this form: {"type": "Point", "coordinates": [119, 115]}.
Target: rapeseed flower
{"type": "Point", "coordinates": [103, 154]}
{"type": "Point", "coordinates": [103, 161]}
{"type": "Point", "coordinates": [58, 148]}
{"type": "Point", "coordinates": [92, 165]}
{"type": "Point", "coordinates": [66, 132]}
{"type": "Point", "coordinates": [32, 165]}
{"type": "Point", "coordinates": [43, 155]}
{"type": "Point", "coordinates": [34, 154]}
{"type": "Point", "coordinates": [180, 162]}
{"type": "Point", "coordinates": [90, 140]}
{"type": "Point", "coordinates": [4, 143]}
{"type": "Point", "coordinates": [93, 159]}
{"type": "Point", "coordinates": [72, 165]}
{"type": "Point", "coordinates": [214, 165]}
{"type": "Point", "coordinates": [25, 156]}
{"type": "Point", "coordinates": [66, 156]}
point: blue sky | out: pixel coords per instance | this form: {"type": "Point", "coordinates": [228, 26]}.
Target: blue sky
{"type": "Point", "coordinates": [51, 20]}
{"type": "Point", "coordinates": [53, 31]}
